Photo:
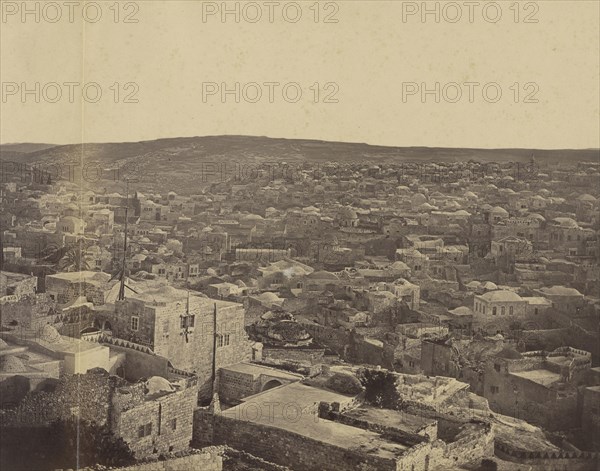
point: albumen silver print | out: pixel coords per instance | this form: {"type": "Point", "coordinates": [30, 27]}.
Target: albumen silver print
{"type": "Point", "coordinates": [300, 235]}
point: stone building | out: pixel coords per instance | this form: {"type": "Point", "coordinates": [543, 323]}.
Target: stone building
{"type": "Point", "coordinates": [565, 299]}
{"type": "Point", "coordinates": [500, 302]}
{"type": "Point", "coordinates": [153, 417]}
{"type": "Point", "coordinates": [180, 326]}
{"type": "Point", "coordinates": [17, 284]}
{"type": "Point", "coordinates": [540, 387]}
{"type": "Point", "coordinates": [67, 287]}
{"type": "Point", "coordinates": [590, 416]}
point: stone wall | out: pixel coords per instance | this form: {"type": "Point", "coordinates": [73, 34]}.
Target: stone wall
{"type": "Point", "coordinates": [29, 312]}
{"type": "Point", "coordinates": [309, 356]}
{"type": "Point", "coordinates": [66, 291]}
{"type": "Point", "coordinates": [290, 449]}
{"type": "Point", "coordinates": [391, 433]}
{"type": "Point", "coordinates": [204, 460]}
{"type": "Point", "coordinates": [550, 461]}
{"type": "Point", "coordinates": [301, 452]}
{"type": "Point", "coordinates": [335, 339]}
{"type": "Point", "coordinates": [235, 385]}
{"type": "Point", "coordinates": [140, 364]}
{"type": "Point", "coordinates": [87, 396]}
{"type": "Point", "coordinates": [171, 419]}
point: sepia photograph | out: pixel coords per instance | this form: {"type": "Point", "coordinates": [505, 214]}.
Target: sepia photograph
{"type": "Point", "coordinates": [301, 235]}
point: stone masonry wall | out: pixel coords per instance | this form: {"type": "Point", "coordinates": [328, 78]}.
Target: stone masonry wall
{"type": "Point", "coordinates": [292, 450]}
{"type": "Point", "coordinates": [200, 460]}
{"type": "Point", "coordinates": [87, 396]}
{"type": "Point", "coordinates": [171, 419]}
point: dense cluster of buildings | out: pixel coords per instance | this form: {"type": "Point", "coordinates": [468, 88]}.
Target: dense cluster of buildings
{"type": "Point", "coordinates": [364, 316]}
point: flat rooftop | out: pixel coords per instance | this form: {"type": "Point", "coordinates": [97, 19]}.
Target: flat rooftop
{"type": "Point", "coordinates": [298, 402]}
{"type": "Point", "coordinates": [257, 370]}
{"type": "Point", "coordinates": [543, 377]}
{"type": "Point", "coordinates": [391, 418]}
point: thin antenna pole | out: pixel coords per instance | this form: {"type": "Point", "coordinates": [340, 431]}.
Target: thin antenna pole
{"type": "Point", "coordinates": [122, 287]}
{"type": "Point", "coordinates": [214, 359]}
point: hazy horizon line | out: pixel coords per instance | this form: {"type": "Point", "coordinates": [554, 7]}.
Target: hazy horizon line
{"type": "Point", "coordinates": [295, 139]}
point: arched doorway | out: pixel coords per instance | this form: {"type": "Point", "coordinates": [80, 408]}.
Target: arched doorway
{"type": "Point", "coordinates": [271, 384]}
{"type": "Point", "coordinates": [106, 327]}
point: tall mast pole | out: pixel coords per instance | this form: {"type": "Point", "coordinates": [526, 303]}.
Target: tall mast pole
{"type": "Point", "coordinates": [214, 358]}
{"type": "Point", "coordinates": [122, 287]}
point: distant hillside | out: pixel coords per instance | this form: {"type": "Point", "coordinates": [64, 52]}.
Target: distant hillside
{"type": "Point", "coordinates": [182, 160]}
{"type": "Point", "coordinates": [24, 148]}
{"type": "Point", "coordinates": [233, 146]}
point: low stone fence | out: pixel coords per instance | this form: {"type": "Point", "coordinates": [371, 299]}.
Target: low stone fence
{"type": "Point", "coordinates": [550, 461]}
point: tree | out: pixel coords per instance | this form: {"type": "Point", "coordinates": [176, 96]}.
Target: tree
{"type": "Point", "coordinates": [74, 258]}
{"type": "Point", "coordinates": [380, 388]}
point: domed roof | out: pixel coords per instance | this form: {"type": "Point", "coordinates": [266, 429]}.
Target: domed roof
{"type": "Point", "coordinates": [268, 315]}
{"type": "Point", "coordinates": [157, 385]}
{"type": "Point", "coordinates": [509, 353]}
{"type": "Point", "coordinates": [470, 194]}
{"type": "Point", "coordinates": [399, 266]}
{"type": "Point", "coordinates": [586, 197]}
{"type": "Point", "coordinates": [344, 384]}
{"type": "Point", "coordinates": [269, 296]}
{"type": "Point", "coordinates": [426, 207]}
{"type": "Point", "coordinates": [288, 331]}
{"type": "Point", "coordinates": [252, 217]}
{"type": "Point", "coordinates": [11, 364]}
{"type": "Point", "coordinates": [3, 344]}
{"type": "Point", "coordinates": [49, 334]}
{"type": "Point", "coordinates": [490, 286]}
{"type": "Point", "coordinates": [310, 209]}
{"type": "Point", "coordinates": [323, 275]}
{"type": "Point", "coordinates": [566, 222]}
{"type": "Point", "coordinates": [240, 284]}
{"type": "Point", "coordinates": [537, 216]}
{"type": "Point", "coordinates": [560, 291]}
{"type": "Point", "coordinates": [499, 210]}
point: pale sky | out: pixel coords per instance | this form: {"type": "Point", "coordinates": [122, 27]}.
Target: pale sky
{"type": "Point", "coordinates": [364, 61]}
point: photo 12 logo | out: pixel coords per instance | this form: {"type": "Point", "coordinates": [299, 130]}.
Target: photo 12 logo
{"type": "Point", "coordinates": [469, 92]}
{"type": "Point", "coordinates": [71, 92]}
{"type": "Point", "coordinates": [271, 92]}
{"type": "Point", "coordinates": [69, 12]}
{"type": "Point", "coordinates": [470, 12]}
{"type": "Point", "coordinates": [270, 12]}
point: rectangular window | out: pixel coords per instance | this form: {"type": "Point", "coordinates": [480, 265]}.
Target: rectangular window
{"type": "Point", "coordinates": [494, 389]}
{"type": "Point", "coordinates": [144, 430]}
{"type": "Point", "coordinates": [174, 424]}
{"type": "Point", "coordinates": [188, 321]}
{"type": "Point", "coordinates": [496, 366]}
{"type": "Point", "coordinates": [135, 323]}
